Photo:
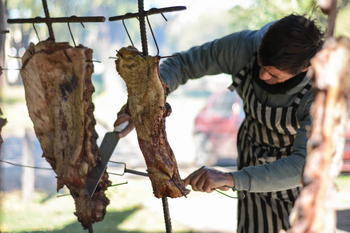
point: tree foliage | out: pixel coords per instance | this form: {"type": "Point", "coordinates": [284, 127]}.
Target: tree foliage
{"type": "Point", "coordinates": [264, 11]}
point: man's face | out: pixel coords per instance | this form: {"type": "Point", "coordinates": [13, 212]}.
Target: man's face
{"type": "Point", "coordinates": [271, 75]}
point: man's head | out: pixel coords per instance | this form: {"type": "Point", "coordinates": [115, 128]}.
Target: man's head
{"type": "Point", "coordinates": [289, 44]}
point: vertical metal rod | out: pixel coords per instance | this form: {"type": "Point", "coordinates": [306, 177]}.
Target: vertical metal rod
{"type": "Point", "coordinates": [90, 229]}
{"type": "Point", "coordinates": [48, 20]}
{"type": "Point", "coordinates": [143, 28]}
{"type": "Point", "coordinates": [166, 215]}
{"type": "Point", "coordinates": [145, 53]}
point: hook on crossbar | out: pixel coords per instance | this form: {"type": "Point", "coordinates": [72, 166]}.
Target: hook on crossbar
{"type": "Point", "coordinates": [150, 28]}
{"type": "Point", "coordinates": [119, 54]}
{"type": "Point", "coordinates": [36, 32]}
{"type": "Point", "coordinates": [70, 31]}
{"type": "Point", "coordinates": [71, 34]}
{"type": "Point", "coordinates": [127, 32]}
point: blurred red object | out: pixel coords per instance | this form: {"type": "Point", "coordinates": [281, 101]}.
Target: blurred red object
{"type": "Point", "coordinates": [216, 128]}
{"type": "Point", "coordinates": [346, 155]}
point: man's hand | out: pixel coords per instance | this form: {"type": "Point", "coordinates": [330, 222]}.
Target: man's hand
{"type": "Point", "coordinates": [208, 179]}
{"type": "Point", "coordinates": [121, 119]}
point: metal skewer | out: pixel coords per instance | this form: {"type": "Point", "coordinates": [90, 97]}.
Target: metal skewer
{"type": "Point", "coordinates": [145, 174]}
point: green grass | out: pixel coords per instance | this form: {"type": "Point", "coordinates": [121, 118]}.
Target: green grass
{"type": "Point", "coordinates": [126, 212]}
{"type": "Point", "coordinates": [343, 182]}
{"type": "Point", "coordinates": [44, 213]}
{"type": "Point", "coordinates": [12, 100]}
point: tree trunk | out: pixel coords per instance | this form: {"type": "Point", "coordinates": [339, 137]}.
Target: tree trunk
{"type": "Point", "coordinates": [28, 160]}
{"type": "Point", "coordinates": [2, 47]}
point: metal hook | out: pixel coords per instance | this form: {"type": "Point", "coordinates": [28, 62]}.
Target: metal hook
{"type": "Point", "coordinates": [127, 32]}
{"type": "Point", "coordinates": [149, 25]}
{"type": "Point", "coordinates": [67, 56]}
{"type": "Point", "coordinates": [93, 61]}
{"type": "Point", "coordinates": [164, 17]}
{"type": "Point", "coordinates": [16, 57]}
{"type": "Point", "coordinates": [36, 32]}
{"type": "Point", "coordinates": [71, 34]}
{"type": "Point", "coordinates": [119, 54]}
{"type": "Point", "coordinates": [113, 185]}
{"type": "Point", "coordinates": [154, 38]}
{"type": "Point", "coordinates": [139, 53]}
{"type": "Point", "coordinates": [63, 195]}
{"type": "Point", "coordinates": [70, 31]}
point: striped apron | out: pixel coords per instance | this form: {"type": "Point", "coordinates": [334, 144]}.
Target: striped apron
{"type": "Point", "coordinates": [267, 134]}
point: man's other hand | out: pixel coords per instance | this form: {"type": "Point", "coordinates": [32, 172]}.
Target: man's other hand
{"type": "Point", "coordinates": [208, 179]}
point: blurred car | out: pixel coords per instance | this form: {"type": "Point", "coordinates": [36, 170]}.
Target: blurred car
{"type": "Point", "coordinates": [346, 155]}
{"type": "Point", "coordinates": [216, 128]}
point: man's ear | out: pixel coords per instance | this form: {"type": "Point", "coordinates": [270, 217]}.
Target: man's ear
{"type": "Point", "coordinates": [306, 69]}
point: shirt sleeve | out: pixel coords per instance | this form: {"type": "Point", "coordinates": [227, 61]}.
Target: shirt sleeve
{"type": "Point", "coordinates": [225, 55]}
{"type": "Point", "coordinates": [284, 173]}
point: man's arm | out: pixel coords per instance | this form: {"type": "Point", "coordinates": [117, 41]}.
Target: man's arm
{"type": "Point", "coordinates": [279, 175]}
{"type": "Point", "coordinates": [283, 173]}
{"type": "Point", "coordinates": [225, 55]}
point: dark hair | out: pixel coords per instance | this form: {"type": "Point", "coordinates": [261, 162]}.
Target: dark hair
{"type": "Point", "coordinates": [290, 43]}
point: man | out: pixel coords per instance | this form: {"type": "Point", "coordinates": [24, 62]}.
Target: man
{"type": "Point", "coordinates": [268, 68]}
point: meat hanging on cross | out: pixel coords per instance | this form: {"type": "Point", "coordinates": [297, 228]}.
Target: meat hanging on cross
{"type": "Point", "coordinates": [314, 210]}
{"type": "Point", "coordinates": [147, 107]}
{"type": "Point", "coordinates": [58, 91]}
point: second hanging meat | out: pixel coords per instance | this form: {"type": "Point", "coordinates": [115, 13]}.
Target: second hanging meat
{"type": "Point", "coordinates": [147, 107]}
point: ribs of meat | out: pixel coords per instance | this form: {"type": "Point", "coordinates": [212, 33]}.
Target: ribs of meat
{"type": "Point", "coordinates": [58, 90]}
{"type": "Point", "coordinates": [314, 210]}
{"type": "Point", "coordinates": [147, 107]}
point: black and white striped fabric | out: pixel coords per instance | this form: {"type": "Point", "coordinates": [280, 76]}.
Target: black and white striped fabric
{"type": "Point", "coordinates": [267, 134]}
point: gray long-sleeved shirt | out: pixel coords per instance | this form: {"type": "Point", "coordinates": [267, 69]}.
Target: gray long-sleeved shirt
{"type": "Point", "coordinates": [229, 55]}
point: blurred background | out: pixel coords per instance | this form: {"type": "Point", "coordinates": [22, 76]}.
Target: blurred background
{"type": "Point", "coordinates": [28, 197]}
